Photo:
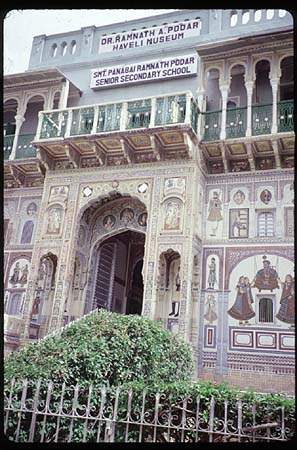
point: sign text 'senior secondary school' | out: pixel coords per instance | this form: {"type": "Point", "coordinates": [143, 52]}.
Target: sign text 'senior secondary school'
{"type": "Point", "coordinates": [145, 71]}
{"type": "Point", "coordinates": [149, 36]}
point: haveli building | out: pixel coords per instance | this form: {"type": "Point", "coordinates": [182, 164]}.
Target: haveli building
{"type": "Point", "coordinates": [149, 169]}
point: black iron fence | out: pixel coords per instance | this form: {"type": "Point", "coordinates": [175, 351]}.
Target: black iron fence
{"type": "Point", "coordinates": [46, 412]}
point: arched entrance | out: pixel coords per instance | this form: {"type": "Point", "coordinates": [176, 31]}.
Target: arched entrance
{"type": "Point", "coordinates": [109, 256]}
{"type": "Point", "coordinates": [118, 283]}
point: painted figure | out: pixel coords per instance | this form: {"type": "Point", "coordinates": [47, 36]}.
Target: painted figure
{"type": "Point", "coordinates": [238, 197]}
{"type": "Point", "coordinates": [242, 308]}
{"type": "Point", "coordinates": [266, 278]}
{"type": "Point", "coordinates": [31, 210]}
{"type": "Point", "coordinates": [108, 222]}
{"type": "Point", "coordinates": [172, 216]}
{"type": "Point", "coordinates": [175, 304]}
{"type": "Point", "coordinates": [286, 311]}
{"type": "Point", "coordinates": [54, 221]}
{"type": "Point", "coordinates": [210, 309]}
{"type": "Point", "coordinates": [212, 276]}
{"type": "Point", "coordinates": [27, 232]}
{"type": "Point", "coordinates": [214, 212]}
{"type": "Point", "coordinates": [14, 279]}
{"type": "Point", "coordinates": [142, 219]}
{"type": "Point", "coordinates": [127, 215]}
{"type": "Point", "coordinates": [35, 308]}
{"type": "Point", "coordinates": [24, 277]}
{"type": "Point", "coordinates": [265, 196]}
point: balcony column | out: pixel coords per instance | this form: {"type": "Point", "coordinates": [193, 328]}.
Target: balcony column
{"type": "Point", "coordinates": [124, 116]}
{"type": "Point", "coordinates": [200, 101]}
{"type": "Point", "coordinates": [188, 108]}
{"type": "Point", "coordinates": [224, 91]}
{"type": "Point", "coordinates": [274, 84]}
{"type": "Point", "coordinates": [95, 120]}
{"type": "Point", "coordinates": [153, 112]}
{"type": "Point", "coordinates": [64, 94]}
{"type": "Point", "coordinates": [69, 123]}
{"type": "Point", "coordinates": [249, 85]}
{"type": "Point", "coordinates": [39, 125]}
{"type": "Point", "coordinates": [19, 120]}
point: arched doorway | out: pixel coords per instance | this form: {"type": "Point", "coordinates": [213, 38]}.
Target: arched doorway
{"type": "Point", "coordinates": [109, 254]}
{"type": "Point", "coordinates": [118, 283]}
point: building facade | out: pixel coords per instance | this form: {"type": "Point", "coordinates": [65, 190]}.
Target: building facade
{"type": "Point", "coordinates": [149, 169]}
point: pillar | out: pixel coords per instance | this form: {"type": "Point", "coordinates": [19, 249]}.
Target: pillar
{"type": "Point", "coordinates": [64, 94]}
{"type": "Point", "coordinates": [224, 91]}
{"type": "Point", "coordinates": [19, 119]}
{"type": "Point", "coordinates": [249, 85]}
{"type": "Point", "coordinates": [274, 84]}
{"type": "Point", "coordinates": [200, 101]}
{"type": "Point", "coordinates": [153, 112]}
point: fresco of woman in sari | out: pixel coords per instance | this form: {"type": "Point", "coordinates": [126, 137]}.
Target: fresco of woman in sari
{"type": "Point", "coordinates": [210, 306]}
{"type": "Point", "coordinates": [286, 311]}
{"type": "Point", "coordinates": [242, 308]}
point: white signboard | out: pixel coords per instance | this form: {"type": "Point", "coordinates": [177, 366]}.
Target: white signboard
{"type": "Point", "coordinates": [159, 69]}
{"type": "Point", "coordinates": [150, 36]}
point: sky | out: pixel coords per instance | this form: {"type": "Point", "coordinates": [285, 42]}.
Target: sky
{"type": "Point", "coordinates": [20, 26]}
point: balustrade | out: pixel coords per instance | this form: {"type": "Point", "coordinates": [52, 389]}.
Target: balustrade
{"type": "Point", "coordinates": [25, 148]}
{"type": "Point", "coordinates": [236, 123]}
{"type": "Point", "coordinates": [286, 116]}
{"type": "Point", "coordinates": [212, 125]}
{"type": "Point", "coordinates": [261, 119]}
{"type": "Point", "coordinates": [7, 145]}
{"type": "Point", "coordinates": [142, 113]}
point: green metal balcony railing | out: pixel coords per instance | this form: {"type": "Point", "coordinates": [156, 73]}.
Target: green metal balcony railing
{"type": "Point", "coordinates": [236, 122]}
{"type": "Point", "coordinates": [139, 114]}
{"type": "Point", "coordinates": [285, 116]}
{"type": "Point", "coordinates": [7, 145]}
{"type": "Point", "coordinates": [261, 119]}
{"type": "Point", "coordinates": [212, 125]}
{"type": "Point", "coordinates": [142, 113]}
{"type": "Point", "coordinates": [25, 148]}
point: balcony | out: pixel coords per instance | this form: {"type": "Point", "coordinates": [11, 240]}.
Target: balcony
{"type": "Point", "coordinates": [138, 131]}
{"type": "Point", "coordinates": [263, 148]}
{"type": "Point", "coordinates": [261, 121]}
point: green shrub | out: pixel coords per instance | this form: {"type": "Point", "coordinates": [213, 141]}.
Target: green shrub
{"type": "Point", "coordinates": [105, 348]}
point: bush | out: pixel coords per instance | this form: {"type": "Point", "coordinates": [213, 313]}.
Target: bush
{"type": "Point", "coordinates": [105, 348]}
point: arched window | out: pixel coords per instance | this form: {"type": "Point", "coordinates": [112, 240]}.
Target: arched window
{"type": "Point", "coordinates": [269, 14]}
{"type": "Point", "coordinates": [73, 47]}
{"type": "Point", "coordinates": [233, 18]}
{"type": "Point", "coordinates": [282, 13]}
{"type": "Point", "coordinates": [54, 50]}
{"type": "Point", "coordinates": [266, 224]}
{"type": "Point", "coordinates": [258, 15]}
{"type": "Point", "coordinates": [63, 48]}
{"type": "Point", "coordinates": [14, 305]}
{"type": "Point", "coordinates": [27, 232]}
{"type": "Point", "coordinates": [266, 310]}
{"type": "Point", "coordinates": [245, 17]}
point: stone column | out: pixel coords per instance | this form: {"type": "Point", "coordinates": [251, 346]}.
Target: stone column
{"type": "Point", "coordinates": [64, 94]}
{"type": "Point", "coordinates": [153, 112]}
{"type": "Point", "coordinates": [224, 91]}
{"type": "Point", "coordinates": [124, 116]}
{"type": "Point", "coordinates": [249, 85]}
{"type": "Point", "coordinates": [19, 119]}
{"type": "Point", "coordinates": [188, 108]}
{"type": "Point", "coordinates": [200, 101]}
{"type": "Point", "coordinates": [274, 84]}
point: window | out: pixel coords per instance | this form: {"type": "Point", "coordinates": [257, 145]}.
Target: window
{"type": "Point", "coordinates": [73, 47]}
{"type": "Point", "coordinates": [266, 224]}
{"type": "Point", "coordinates": [258, 15]}
{"type": "Point", "coordinates": [266, 310]}
{"type": "Point", "coordinates": [282, 13]}
{"type": "Point", "coordinates": [269, 14]}
{"type": "Point", "coordinates": [233, 19]}
{"type": "Point", "coordinates": [54, 50]}
{"type": "Point", "coordinates": [14, 305]}
{"type": "Point", "coordinates": [245, 17]}
{"type": "Point", "coordinates": [63, 48]}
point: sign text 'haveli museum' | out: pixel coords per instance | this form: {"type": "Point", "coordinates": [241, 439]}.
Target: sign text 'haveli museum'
{"type": "Point", "coordinates": [149, 169]}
